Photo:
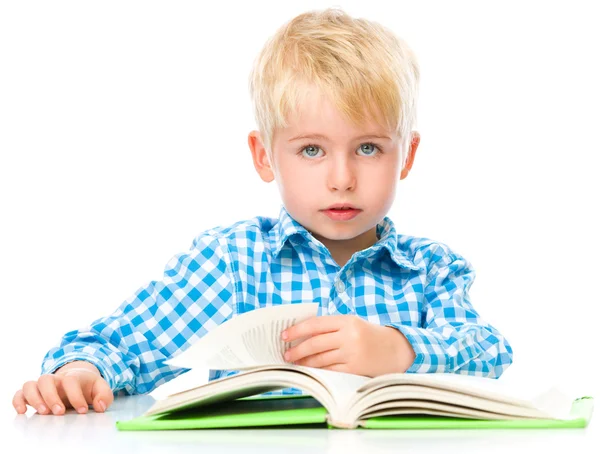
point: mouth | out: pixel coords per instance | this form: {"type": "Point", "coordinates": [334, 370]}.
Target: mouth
{"type": "Point", "coordinates": [341, 212]}
{"type": "Point", "coordinates": [341, 207]}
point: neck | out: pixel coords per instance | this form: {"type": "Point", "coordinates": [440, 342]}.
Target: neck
{"type": "Point", "coordinates": [342, 250]}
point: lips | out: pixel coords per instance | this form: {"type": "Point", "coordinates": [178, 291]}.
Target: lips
{"type": "Point", "coordinates": [341, 212]}
{"type": "Point", "coordinates": [341, 206]}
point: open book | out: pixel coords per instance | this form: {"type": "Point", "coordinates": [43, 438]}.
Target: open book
{"type": "Point", "coordinates": [252, 344]}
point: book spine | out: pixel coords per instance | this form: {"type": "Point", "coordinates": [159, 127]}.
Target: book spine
{"type": "Point", "coordinates": [340, 424]}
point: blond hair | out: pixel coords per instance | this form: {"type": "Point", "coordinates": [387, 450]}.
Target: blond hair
{"type": "Point", "coordinates": [359, 65]}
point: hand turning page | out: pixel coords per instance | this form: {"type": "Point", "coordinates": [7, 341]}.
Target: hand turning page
{"type": "Point", "coordinates": [249, 341]}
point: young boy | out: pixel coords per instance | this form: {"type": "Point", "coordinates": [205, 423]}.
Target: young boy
{"type": "Point", "coordinates": [335, 101]}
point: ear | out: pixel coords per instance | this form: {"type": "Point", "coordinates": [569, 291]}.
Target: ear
{"type": "Point", "coordinates": [412, 150]}
{"type": "Point", "coordinates": [260, 157]}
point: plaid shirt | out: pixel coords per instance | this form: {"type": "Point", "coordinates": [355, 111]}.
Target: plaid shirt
{"type": "Point", "coordinates": [416, 285]}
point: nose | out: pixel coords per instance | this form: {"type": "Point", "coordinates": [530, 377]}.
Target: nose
{"type": "Point", "coordinates": [342, 175]}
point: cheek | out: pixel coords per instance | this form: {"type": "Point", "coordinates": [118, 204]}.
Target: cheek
{"type": "Point", "coordinates": [386, 175]}
{"type": "Point", "coordinates": [295, 176]}
{"type": "Point", "coordinates": [295, 181]}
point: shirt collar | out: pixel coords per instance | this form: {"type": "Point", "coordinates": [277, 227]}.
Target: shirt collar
{"type": "Point", "coordinates": [386, 232]}
{"type": "Point", "coordinates": [285, 228]}
{"type": "Point", "coordinates": [388, 239]}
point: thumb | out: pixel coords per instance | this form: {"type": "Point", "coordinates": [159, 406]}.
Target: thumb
{"type": "Point", "coordinates": [102, 395]}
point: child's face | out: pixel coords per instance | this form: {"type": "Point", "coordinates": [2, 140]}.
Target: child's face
{"type": "Point", "coordinates": [315, 173]}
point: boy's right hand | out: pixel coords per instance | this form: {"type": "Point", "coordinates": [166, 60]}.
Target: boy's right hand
{"type": "Point", "coordinates": [75, 385]}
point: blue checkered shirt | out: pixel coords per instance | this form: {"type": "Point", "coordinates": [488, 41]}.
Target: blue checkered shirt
{"type": "Point", "coordinates": [416, 285]}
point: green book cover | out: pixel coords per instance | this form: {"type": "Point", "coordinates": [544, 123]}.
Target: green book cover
{"type": "Point", "coordinates": [305, 411]}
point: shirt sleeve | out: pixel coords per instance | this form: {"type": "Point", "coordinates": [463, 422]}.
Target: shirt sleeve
{"type": "Point", "coordinates": [158, 321]}
{"type": "Point", "coordinates": [453, 338]}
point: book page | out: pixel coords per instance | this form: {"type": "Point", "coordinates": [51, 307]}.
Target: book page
{"type": "Point", "coordinates": [435, 409]}
{"type": "Point", "coordinates": [341, 386]}
{"type": "Point", "coordinates": [494, 389]}
{"type": "Point", "coordinates": [548, 401]}
{"type": "Point", "coordinates": [414, 396]}
{"type": "Point", "coordinates": [247, 340]}
{"type": "Point", "coordinates": [244, 384]}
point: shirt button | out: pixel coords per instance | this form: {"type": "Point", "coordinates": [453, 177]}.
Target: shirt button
{"type": "Point", "coordinates": [339, 286]}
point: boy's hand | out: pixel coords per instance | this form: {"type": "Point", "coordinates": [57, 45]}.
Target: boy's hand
{"type": "Point", "coordinates": [76, 385]}
{"type": "Point", "coordinates": [347, 343]}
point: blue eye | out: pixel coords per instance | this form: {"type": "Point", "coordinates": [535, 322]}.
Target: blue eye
{"type": "Point", "coordinates": [375, 149]}
{"type": "Point", "coordinates": [312, 151]}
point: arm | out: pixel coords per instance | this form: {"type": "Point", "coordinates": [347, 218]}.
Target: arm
{"type": "Point", "coordinates": [453, 337]}
{"type": "Point", "coordinates": [159, 320]}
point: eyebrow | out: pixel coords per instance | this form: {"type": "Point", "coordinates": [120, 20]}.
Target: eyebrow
{"type": "Point", "coordinates": [322, 137]}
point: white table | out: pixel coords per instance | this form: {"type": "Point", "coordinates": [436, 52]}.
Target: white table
{"type": "Point", "coordinates": [74, 433]}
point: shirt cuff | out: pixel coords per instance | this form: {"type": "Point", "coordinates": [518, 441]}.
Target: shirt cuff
{"type": "Point", "coordinates": [52, 364]}
{"type": "Point", "coordinates": [431, 353]}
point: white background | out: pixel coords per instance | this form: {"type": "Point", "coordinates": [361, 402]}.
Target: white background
{"type": "Point", "coordinates": [123, 134]}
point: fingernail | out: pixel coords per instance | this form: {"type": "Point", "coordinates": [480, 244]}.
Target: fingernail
{"type": "Point", "coordinates": [286, 356]}
{"type": "Point", "coordinates": [81, 410]}
{"type": "Point", "coordinates": [102, 405]}
{"type": "Point", "coordinates": [42, 409]}
{"type": "Point", "coordinates": [57, 409]}
{"type": "Point", "coordinates": [284, 335]}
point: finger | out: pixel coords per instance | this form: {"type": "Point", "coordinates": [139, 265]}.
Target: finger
{"type": "Point", "coordinates": [313, 326]}
{"type": "Point", "coordinates": [47, 388]}
{"type": "Point", "coordinates": [33, 397]}
{"type": "Point", "coordinates": [19, 402]}
{"type": "Point", "coordinates": [312, 346]}
{"type": "Point", "coordinates": [72, 386]}
{"type": "Point", "coordinates": [322, 359]}
{"type": "Point", "coordinates": [102, 395]}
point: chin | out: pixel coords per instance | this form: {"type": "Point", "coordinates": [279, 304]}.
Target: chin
{"type": "Point", "coordinates": [346, 232]}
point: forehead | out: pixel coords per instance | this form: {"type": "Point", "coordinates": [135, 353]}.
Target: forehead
{"type": "Point", "coordinates": [316, 114]}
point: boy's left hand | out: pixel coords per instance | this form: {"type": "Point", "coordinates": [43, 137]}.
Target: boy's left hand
{"type": "Point", "coordinates": [347, 343]}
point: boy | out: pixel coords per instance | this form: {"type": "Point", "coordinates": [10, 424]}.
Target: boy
{"type": "Point", "coordinates": [335, 101]}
